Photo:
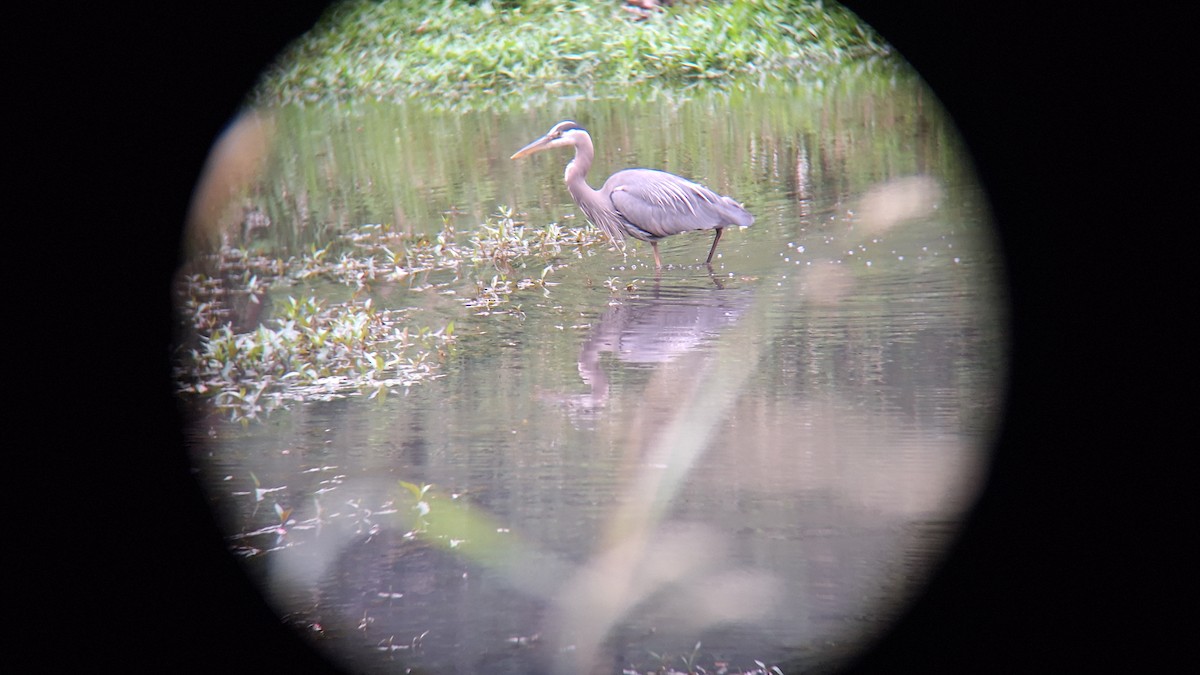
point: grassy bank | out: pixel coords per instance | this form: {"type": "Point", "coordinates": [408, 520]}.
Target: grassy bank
{"type": "Point", "coordinates": [483, 54]}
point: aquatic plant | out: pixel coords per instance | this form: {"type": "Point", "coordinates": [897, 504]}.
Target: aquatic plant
{"type": "Point", "coordinates": [318, 349]}
{"type": "Point", "coordinates": [311, 351]}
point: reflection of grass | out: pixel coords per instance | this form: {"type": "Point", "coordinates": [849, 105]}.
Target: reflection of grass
{"type": "Point", "coordinates": [314, 348]}
{"type": "Point", "coordinates": [454, 524]}
{"type": "Point", "coordinates": [475, 55]}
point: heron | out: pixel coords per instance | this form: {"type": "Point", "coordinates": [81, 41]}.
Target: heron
{"type": "Point", "coordinates": [645, 204]}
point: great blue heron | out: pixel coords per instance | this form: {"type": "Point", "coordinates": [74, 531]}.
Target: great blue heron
{"type": "Point", "coordinates": [642, 203]}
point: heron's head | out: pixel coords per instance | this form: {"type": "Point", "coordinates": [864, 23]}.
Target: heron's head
{"type": "Point", "coordinates": [561, 135]}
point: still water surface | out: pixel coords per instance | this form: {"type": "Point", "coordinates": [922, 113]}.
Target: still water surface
{"type": "Point", "coordinates": [766, 457]}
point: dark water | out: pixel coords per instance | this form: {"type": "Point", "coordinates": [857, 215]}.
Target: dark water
{"type": "Point", "coordinates": [765, 458]}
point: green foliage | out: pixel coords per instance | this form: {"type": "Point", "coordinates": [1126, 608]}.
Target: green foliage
{"type": "Point", "coordinates": [309, 350]}
{"type": "Point", "coordinates": [485, 54]}
{"type": "Point", "coordinates": [312, 349]}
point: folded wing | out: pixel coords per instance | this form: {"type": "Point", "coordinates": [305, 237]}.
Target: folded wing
{"type": "Point", "coordinates": [659, 204]}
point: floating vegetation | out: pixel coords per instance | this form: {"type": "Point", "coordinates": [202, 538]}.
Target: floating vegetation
{"type": "Point", "coordinates": [312, 348]}
{"type": "Point", "coordinates": [313, 351]}
{"type": "Point", "coordinates": [328, 520]}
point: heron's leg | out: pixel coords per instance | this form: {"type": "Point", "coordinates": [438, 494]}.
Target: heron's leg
{"type": "Point", "coordinates": [713, 250]}
{"type": "Point", "coordinates": [657, 260]}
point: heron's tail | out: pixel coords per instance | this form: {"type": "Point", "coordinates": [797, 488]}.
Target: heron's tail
{"type": "Point", "coordinates": [735, 213]}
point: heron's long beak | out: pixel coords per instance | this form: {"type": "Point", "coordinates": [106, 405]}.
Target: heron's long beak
{"type": "Point", "coordinates": [540, 144]}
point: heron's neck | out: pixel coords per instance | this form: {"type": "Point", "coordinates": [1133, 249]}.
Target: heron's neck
{"type": "Point", "coordinates": [577, 170]}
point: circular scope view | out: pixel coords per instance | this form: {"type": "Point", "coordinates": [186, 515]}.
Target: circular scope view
{"type": "Point", "coordinates": [590, 337]}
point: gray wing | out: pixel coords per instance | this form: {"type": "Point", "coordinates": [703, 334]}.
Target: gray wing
{"type": "Point", "coordinates": [661, 204]}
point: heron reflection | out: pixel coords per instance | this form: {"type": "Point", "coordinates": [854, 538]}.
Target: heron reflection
{"type": "Point", "coordinates": [653, 328]}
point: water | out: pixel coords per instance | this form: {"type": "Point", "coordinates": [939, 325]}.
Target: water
{"type": "Point", "coordinates": [766, 457]}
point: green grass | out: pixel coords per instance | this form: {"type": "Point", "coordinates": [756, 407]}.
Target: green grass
{"type": "Point", "coordinates": [462, 55]}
